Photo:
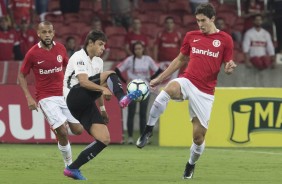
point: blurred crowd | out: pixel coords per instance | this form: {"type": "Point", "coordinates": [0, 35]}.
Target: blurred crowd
{"type": "Point", "coordinates": [158, 24]}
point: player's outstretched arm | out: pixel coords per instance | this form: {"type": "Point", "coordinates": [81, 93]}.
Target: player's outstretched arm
{"type": "Point", "coordinates": [229, 67]}
{"type": "Point", "coordinates": [176, 64]}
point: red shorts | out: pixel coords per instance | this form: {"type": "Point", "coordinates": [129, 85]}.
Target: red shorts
{"type": "Point", "coordinates": [262, 62]}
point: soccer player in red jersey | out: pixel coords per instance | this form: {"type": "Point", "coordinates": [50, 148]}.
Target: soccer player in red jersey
{"type": "Point", "coordinates": [27, 36]}
{"type": "Point", "coordinates": [9, 42]}
{"type": "Point", "coordinates": [19, 9]}
{"type": "Point", "coordinates": [206, 49]}
{"type": "Point", "coordinates": [168, 42]}
{"type": "Point", "coordinates": [134, 36]}
{"type": "Point", "coordinates": [47, 59]}
{"type": "Point", "coordinates": [167, 46]}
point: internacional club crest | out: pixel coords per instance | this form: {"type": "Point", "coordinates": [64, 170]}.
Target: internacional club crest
{"type": "Point", "coordinates": [59, 58]}
{"type": "Point", "coordinates": [216, 43]}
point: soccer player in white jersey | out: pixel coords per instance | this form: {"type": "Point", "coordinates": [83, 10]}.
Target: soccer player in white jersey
{"type": "Point", "coordinates": [47, 59]}
{"type": "Point", "coordinates": [84, 84]}
{"type": "Point", "coordinates": [206, 49]}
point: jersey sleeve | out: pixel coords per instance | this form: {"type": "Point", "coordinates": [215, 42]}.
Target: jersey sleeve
{"type": "Point", "coordinates": [185, 48]}
{"type": "Point", "coordinates": [125, 64]}
{"type": "Point", "coordinates": [27, 64]}
{"type": "Point", "coordinates": [65, 57]}
{"type": "Point", "coordinates": [179, 35]}
{"type": "Point", "coordinates": [146, 41]}
{"type": "Point", "coordinates": [228, 50]}
{"type": "Point", "coordinates": [153, 66]}
{"type": "Point", "coordinates": [127, 39]}
{"type": "Point", "coordinates": [246, 42]}
{"type": "Point", "coordinates": [158, 39]}
{"type": "Point", "coordinates": [102, 65]}
{"type": "Point", "coordinates": [269, 45]}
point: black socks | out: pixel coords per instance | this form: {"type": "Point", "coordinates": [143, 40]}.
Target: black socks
{"type": "Point", "coordinates": [88, 154]}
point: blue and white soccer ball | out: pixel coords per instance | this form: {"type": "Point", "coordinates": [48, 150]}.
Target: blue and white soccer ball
{"type": "Point", "coordinates": [139, 84]}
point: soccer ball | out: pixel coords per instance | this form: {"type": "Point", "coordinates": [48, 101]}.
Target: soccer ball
{"type": "Point", "coordinates": [138, 84]}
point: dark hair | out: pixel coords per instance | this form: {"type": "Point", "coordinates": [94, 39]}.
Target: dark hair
{"type": "Point", "coordinates": [95, 35]}
{"type": "Point", "coordinates": [133, 51]}
{"type": "Point", "coordinates": [257, 15]}
{"type": "Point", "coordinates": [206, 9]}
{"type": "Point", "coordinates": [169, 17]}
{"type": "Point", "coordinates": [70, 38]}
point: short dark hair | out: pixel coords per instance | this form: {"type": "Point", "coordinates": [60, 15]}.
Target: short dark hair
{"type": "Point", "coordinates": [169, 17]}
{"type": "Point", "coordinates": [70, 38]}
{"type": "Point", "coordinates": [206, 9]}
{"type": "Point", "coordinates": [257, 15]}
{"type": "Point", "coordinates": [95, 35]}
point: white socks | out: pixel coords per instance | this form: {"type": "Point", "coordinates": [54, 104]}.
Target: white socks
{"type": "Point", "coordinates": [66, 153]}
{"type": "Point", "coordinates": [158, 107]}
{"type": "Point", "coordinates": [195, 152]}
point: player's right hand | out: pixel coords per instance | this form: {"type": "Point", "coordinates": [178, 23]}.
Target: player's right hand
{"type": "Point", "coordinates": [32, 105]}
{"type": "Point", "coordinates": [107, 94]}
{"type": "Point", "coordinates": [155, 82]}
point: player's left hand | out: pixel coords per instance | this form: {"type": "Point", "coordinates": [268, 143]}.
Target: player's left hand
{"type": "Point", "coordinates": [105, 116]}
{"type": "Point", "coordinates": [229, 67]}
{"type": "Point", "coordinates": [107, 94]}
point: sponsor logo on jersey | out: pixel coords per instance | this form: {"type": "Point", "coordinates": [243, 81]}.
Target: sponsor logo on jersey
{"type": "Point", "coordinates": [169, 45]}
{"type": "Point", "coordinates": [59, 58]}
{"type": "Point", "coordinates": [205, 52]}
{"type": "Point", "coordinates": [216, 43]}
{"type": "Point", "coordinates": [258, 44]}
{"type": "Point", "coordinates": [196, 40]}
{"type": "Point", "coordinates": [53, 70]}
{"type": "Point", "coordinates": [39, 62]}
{"type": "Point", "coordinates": [80, 63]}
{"type": "Point", "coordinates": [22, 5]}
{"type": "Point", "coordinates": [6, 40]}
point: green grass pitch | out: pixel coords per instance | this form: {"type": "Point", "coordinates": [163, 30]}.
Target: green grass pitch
{"type": "Point", "coordinates": [124, 164]}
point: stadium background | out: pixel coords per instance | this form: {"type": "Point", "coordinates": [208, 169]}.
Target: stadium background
{"type": "Point", "coordinates": [27, 129]}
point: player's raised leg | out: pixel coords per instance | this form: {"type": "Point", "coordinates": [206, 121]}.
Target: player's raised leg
{"type": "Point", "coordinates": [110, 79]}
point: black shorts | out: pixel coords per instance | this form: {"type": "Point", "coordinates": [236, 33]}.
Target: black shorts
{"type": "Point", "coordinates": [81, 103]}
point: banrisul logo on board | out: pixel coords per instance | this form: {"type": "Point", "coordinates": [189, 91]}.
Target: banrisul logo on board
{"type": "Point", "coordinates": [253, 115]}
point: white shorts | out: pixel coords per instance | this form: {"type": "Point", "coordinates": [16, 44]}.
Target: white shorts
{"type": "Point", "coordinates": [56, 111]}
{"type": "Point", "coordinates": [200, 103]}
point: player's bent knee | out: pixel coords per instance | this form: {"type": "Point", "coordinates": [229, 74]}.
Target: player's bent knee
{"type": "Point", "coordinates": [62, 131]}
{"type": "Point", "coordinates": [77, 130]}
{"type": "Point", "coordinates": [173, 89]}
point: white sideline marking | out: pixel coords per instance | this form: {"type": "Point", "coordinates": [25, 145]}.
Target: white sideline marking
{"type": "Point", "coordinates": [245, 151]}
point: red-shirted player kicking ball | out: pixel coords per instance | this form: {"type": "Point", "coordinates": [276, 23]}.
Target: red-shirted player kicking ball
{"type": "Point", "coordinates": [47, 59]}
{"type": "Point", "coordinates": [206, 50]}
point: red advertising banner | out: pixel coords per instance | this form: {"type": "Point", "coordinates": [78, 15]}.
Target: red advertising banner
{"type": "Point", "coordinates": [20, 125]}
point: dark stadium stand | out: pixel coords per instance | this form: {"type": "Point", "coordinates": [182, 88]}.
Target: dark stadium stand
{"type": "Point", "coordinates": [152, 16]}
